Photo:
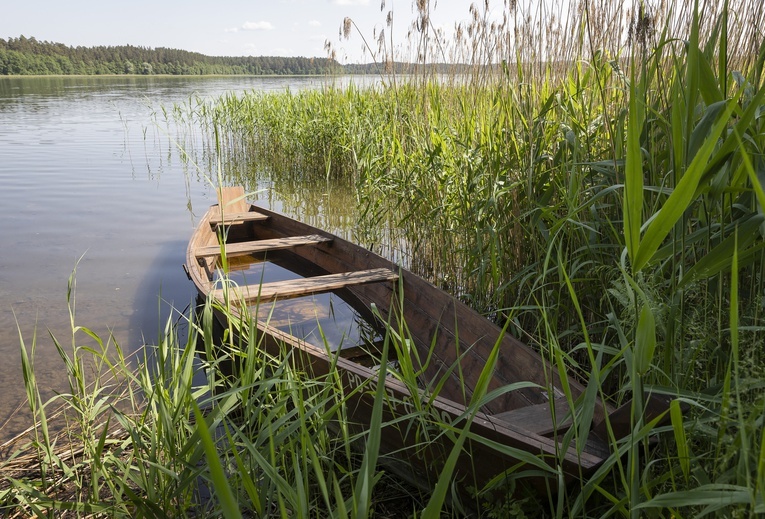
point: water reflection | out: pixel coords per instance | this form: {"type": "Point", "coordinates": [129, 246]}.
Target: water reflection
{"type": "Point", "coordinates": [324, 320]}
{"type": "Point", "coordinates": [92, 179]}
{"type": "Point", "coordinates": [309, 196]}
{"type": "Point", "coordinates": [167, 88]}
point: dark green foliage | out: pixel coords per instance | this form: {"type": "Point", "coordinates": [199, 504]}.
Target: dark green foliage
{"type": "Point", "coordinates": [28, 56]}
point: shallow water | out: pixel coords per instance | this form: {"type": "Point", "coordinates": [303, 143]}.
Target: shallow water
{"type": "Point", "coordinates": [90, 180]}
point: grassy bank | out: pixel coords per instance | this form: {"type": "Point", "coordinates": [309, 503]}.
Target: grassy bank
{"type": "Point", "coordinates": [171, 433]}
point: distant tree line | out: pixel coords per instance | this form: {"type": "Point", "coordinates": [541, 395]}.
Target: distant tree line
{"type": "Point", "coordinates": [28, 56]}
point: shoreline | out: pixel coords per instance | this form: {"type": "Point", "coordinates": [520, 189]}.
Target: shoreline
{"type": "Point", "coordinates": [17, 76]}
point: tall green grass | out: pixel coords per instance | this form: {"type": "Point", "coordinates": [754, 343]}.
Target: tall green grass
{"type": "Point", "coordinates": [595, 177]}
{"type": "Point", "coordinates": [171, 434]}
{"type": "Point", "coordinates": [232, 432]}
{"type": "Point", "coordinates": [593, 180]}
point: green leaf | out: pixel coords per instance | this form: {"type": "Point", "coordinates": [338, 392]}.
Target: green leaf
{"type": "Point", "coordinates": [743, 121]}
{"type": "Point", "coordinates": [247, 482]}
{"type": "Point", "coordinates": [645, 340]}
{"type": "Point", "coordinates": [703, 127]}
{"type": "Point", "coordinates": [721, 256]}
{"type": "Point", "coordinates": [710, 90]}
{"type": "Point", "coordinates": [217, 475]}
{"type": "Point", "coordinates": [433, 509]}
{"type": "Point", "coordinates": [713, 494]}
{"type": "Point", "coordinates": [722, 62]}
{"type": "Point", "coordinates": [633, 183]}
{"type": "Point", "coordinates": [682, 197]}
{"type": "Point", "coordinates": [683, 451]}
{"type": "Point", "coordinates": [367, 479]}
{"type": "Point", "coordinates": [754, 178]}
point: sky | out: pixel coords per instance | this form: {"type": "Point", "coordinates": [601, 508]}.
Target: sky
{"type": "Point", "coordinates": [222, 27]}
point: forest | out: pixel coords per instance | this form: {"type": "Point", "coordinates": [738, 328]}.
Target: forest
{"type": "Point", "coordinates": [29, 56]}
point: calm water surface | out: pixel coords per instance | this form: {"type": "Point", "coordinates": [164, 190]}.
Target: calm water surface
{"type": "Point", "coordinates": [89, 181]}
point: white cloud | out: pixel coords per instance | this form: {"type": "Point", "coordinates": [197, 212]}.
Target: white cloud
{"type": "Point", "coordinates": [314, 23]}
{"type": "Point", "coordinates": [233, 29]}
{"type": "Point", "coordinates": [257, 26]}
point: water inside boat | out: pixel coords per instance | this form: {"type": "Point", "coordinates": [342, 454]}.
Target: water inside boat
{"type": "Point", "coordinates": [325, 320]}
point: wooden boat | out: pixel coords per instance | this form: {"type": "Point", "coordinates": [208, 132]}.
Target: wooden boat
{"type": "Point", "coordinates": [453, 343]}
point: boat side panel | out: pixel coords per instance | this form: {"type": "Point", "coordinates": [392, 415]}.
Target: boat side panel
{"type": "Point", "coordinates": [430, 310]}
{"type": "Point", "coordinates": [433, 311]}
{"type": "Point", "coordinates": [479, 461]}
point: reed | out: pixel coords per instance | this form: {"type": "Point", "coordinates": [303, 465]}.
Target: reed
{"type": "Point", "coordinates": [593, 180]}
{"type": "Point", "coordinates": [149, 437]}
{"type": "Point", "coordinates": [591, 175]}
{"type": "Point", "coordinates": [256, 435]}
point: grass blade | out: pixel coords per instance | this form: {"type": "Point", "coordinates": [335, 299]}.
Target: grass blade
{"type": "Point", "coordinates": [217, 475]}
{"type": "Point", "coordinates": [683, 195]}
{"type": "Point", "coordinates": [633, 181]}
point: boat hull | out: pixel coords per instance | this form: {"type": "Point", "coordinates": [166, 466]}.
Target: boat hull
{"type": "Point", "coordinates": [457, 342]}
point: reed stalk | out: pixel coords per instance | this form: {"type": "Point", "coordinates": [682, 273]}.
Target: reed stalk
{"type": "Point", "coordinates": [590, 176]}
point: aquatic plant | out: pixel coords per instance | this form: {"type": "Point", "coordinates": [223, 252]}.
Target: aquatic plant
{"type": "Point", "coordinates": [593, 179]}
{"type": "Point", "coordinates": [591, 174]}
{"type": "Point", "coordinates": [149, 437]}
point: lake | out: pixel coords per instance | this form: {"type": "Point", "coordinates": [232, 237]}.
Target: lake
{"type": "Point", "coordinates": [91, 178]}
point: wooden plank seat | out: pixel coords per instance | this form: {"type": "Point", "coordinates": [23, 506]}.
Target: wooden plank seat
{"type": "Point", "coordinates": [301, 287]}
{"type": "Point", "coordinates": [237, 218]}
{"type": "Point", "coordinates": [538, 418]}
{"type": "Point", "coordinates": [250, 247]}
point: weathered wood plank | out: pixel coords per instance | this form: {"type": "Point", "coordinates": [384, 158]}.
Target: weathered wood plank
{"type": "Point", "coordinates": [231, 200]}
{"type": "Point", "coordinates": [313, 285]}
{"type": "Point", "coordinates": [538, 418]}
{"type": "Point", "coordinates": [251, 247]}
{"type": "Point", "coordinates": [237, 218]}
